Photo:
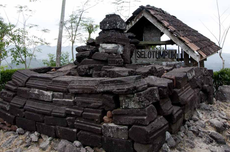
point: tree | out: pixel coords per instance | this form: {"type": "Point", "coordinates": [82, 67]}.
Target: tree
{"type": "Point", "coordinates": [90, 28]}
{"type": "Point", "coordinates": [61, 25]}
{"type": "Point", "coordinates": [51, 61]}
{"type": "Point", "coordinates": [222, 31]}
{"type": "Point", "coordinates": [76, 20]}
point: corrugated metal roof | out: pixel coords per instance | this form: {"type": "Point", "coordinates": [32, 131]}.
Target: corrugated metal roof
{"type": "Point", "coordinates": [192, 38]}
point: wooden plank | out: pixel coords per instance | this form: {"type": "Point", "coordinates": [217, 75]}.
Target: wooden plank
{"type": "Point", "coordinates": [154, 21]}
{"type": "Point", "coordinates": [143, 43]}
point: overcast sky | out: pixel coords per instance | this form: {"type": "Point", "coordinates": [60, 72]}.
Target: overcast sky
{"type": "Point", "coordinates": [194, 13]}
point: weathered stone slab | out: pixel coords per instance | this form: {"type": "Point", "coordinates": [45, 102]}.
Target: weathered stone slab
{"type": "Point", "coordinates": [190, 71]}
{"type": "Point", "coordinates": [176, 114]}
{"type": "Point", "coordinates": [100, 56]}
{"type": "Point", "coordinates": [59, 111]}
{"type": "Point", "coordinates": [26, 124]}
{"type": "Point", "coordinates": [58, 95]}
{"type": "Point", "coordinates": [7, 117]}
{"type": "Point", "coordinates": [147, 134]}
{"type": "Point", "coordinates": [16, 111]}
{"type": "Point", "coordinates": [164, 107]}
{"type": "Point", "coordinates": [63, 102]}
{"type": "Point", "coordinates": [18, 102]}
{"type": "Point", "coordinates": [92, 62]}
{"type": "Point", "coordinates": [145, 71]}
{"type": "Point", "coordinates": [84, 85]}
{"type": "Point", "coordinates": [60, 84]}
{"type": "Point", "coordinates": [115, 60]}
{"type": "Point", "coordinates": [140, 99]}
{"type": "Point", "coordinates": [23, 92]}
{"type": "Point", "coordinates": [96, 101]}
{"type": "Point", "coordinates": [70, 121]}
{"type": "Point", "coordinates": [89, 139]}
{"type": "Point", "coordinates": [39, 107]}
{"type": "Point", "coordinates": [34, 116]}
{"type": "Point", "coordinates": [82, 55]}
{"type": "Point", "coordinates": [20, 77]}
{"type": "Point", "coordinates": [55, 121]}
{"type": "Point", "coordinates": [118, 72]}
{"type": "Point", "coordinates": [4, 105]}
{"type": "Point", "coordinates": [179, 79]}
{"type": "Point", "coordinates": [115, 145]}
{"type": "Point", "coordinates": [40, 81]}
{"type": "Point", "coordinates": [85, 48]}
{"type": "Point", "coordinates": [46, 129]}
{"type": "Point", "coordinates": [134, 116]}
{"type": "Point", "coordinates": [175, 127]}
{"type": "Point", "coordinates": [74, 111]}
{"type": "Point", "coordinates": [42, 69]}
{"type": "Point", "coordinates": [7, 95]}
{"type": "Point", "coordinates": [96, 115]}
{"type": "Point", "coordinates": [165, 86]}
{"type": "Point", "coordinates": [122, 85]}
{"type": "Point", "coordinates": [66, 133]}
{"type": "Point", "coordinates": [113, 22]}
{"type": "Point", "coordinates": [111, 48]}
{"type": "Point", "coordinates": [88, 126]}
{"type": "Point", "coordinates": [11, 86]}
{"type": "Point", "coordinates": [115, 131]}
{"type": "Point", "coordinates": [112, 37]}
{"type": "Point", "coordinates": [180, 96]}
{"type": "Point", "coordinates": [41, 95]}
{"type": "Point", "coordinates": [223, 93]}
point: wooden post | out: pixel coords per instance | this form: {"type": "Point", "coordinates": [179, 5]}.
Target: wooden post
{"type": "Point", "coordinates": [202, 64]}
{"type": "Point", "coordinates": [186, 59]}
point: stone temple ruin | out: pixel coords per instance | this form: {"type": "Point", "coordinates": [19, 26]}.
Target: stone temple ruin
{"type": "Point", "coordinates": [103, 100]}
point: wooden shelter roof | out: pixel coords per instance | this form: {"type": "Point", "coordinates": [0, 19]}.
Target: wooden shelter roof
{"type": "Point", "coordinates": [178, 31]}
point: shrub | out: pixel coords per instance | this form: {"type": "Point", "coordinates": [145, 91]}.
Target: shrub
{"type": "Point", "coordinates": [6, 76]}
{"type": "Point", "coordinates": [221, 77]}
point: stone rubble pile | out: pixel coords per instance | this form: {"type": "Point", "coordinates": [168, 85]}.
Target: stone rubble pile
{"type": "Point", "coordinates": [111, 104]}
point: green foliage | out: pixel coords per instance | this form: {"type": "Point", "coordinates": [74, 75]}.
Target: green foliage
{"type": "Point", "coordinates": [221, 77]}
{"type": "Point", "coordinates": [5, 76]}
{"type": "Point", "coordinates": [52, 60]}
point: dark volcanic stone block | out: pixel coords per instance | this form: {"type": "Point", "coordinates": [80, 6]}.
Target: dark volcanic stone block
{"type": "Point", "coordinates": [118, 72]}
{"type": "Point", "coordinates": [70, 121]}
{"type": "Point", "coordinates": [147, 134]}
{"type": "Point", "coordinates": [55, 121]}
{"type": "Point", "coordinates": [165, 86]}
{"type": "Point", "coordinates": [42, 69]}
{"type": "Point", "coordinates": [18, 102]}
{"type": "Point", "coordinates": [122, 85]}
{"type": "Point", "coordinates": [82, 55]}
{"type": "Point", "coordinates": [140, 99]}
{"type": "Point", "coordinates": [61, 83]}
{"type": "Point", "coordinates": [63, 102]}
{"type": "Point", "coordinates": [90, 139]}
{"type": "Point", "coordinates": [95, 115]}
{"type": "Point", "coordinates": [41, 95]}
{"type": "Point", "coordinates": [59, 111]}
{"type": "Point", "coordinates": [164, 107]}
{"type": "Point", "coordinates": [11, 86]}
{"type": "Point", "coordinates": [113, 22]}
{"type": "Point", "coordinates": [134, 116]}
{"type": "Point", "coordinates": [146, 70]}
{"type": "Point", "coordinates": [23, 92]}
{"type": "Point", "coordinates": [176, 114]}
{"type": "Point", "coordinates": [115, 131]}
{"type": "Point", "coordinates": [115, 145]}
{"type": "Point", "coordinates": [84, 85]}
{"type": "Point", "coordinates": [34, 116]}
{"type": "Point", "coordinates": [100, 56]}
{"type": "Point", "coordinates": [88, 126]}
{"type": "Point", "coordinates": [115, 60]}
{"type": "Point", "coordinates": [7, 117]}
{"type": "Point", "coordinates": [175, 127]}
{"type": "Point", "coordinates": [96, 101]}
{"type": "Point", "coordinates": [40, 81]}
{"type": "Point", "coordinates": [92, 62]}
{"type": "Point", "coordinates": [85, 48]}
{"type": "Point", "coordinates": [16, 111]}
{"type": "Point", "coordinates": [26, 124]}
{"type": "Point", "coordinates": [7, 95]}
{"type": "Point", "coordinates": [20, 77]}
{"type": "Point", "coordinates": [179, 79]}
{"type": "Point", "coordinates": [66, 133]}
{"type": "Point", "coordinates": [127, 53]}
{"type": "Point", "coordinates": [112, 37]}
{"type": "Point", "coordinates": [74, 110]}
{"type": "Point", "coordinates": [46, 129]}
{"type": "Point", "coordinates": [190, 71]}
{"type": "Point", "coordinates": [4, 105]}
{"type": "Point", "coordinates": [180, 96]}
{"type": "Point", "coordinates": [39, 107]}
